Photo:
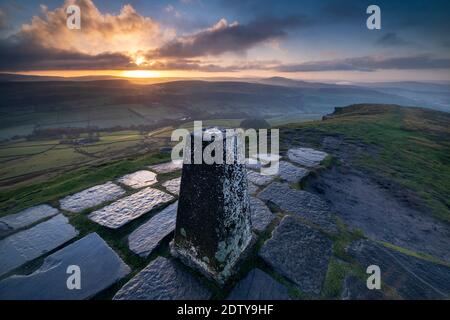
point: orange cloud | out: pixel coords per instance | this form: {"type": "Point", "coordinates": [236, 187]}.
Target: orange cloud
{"type": "Point", "coordinates": [127, 31]}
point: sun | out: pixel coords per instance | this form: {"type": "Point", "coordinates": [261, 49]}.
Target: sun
{"type": "Point", "coordinates": [140, 74]}
{"type": "Point", "coordinates": [139, 60]}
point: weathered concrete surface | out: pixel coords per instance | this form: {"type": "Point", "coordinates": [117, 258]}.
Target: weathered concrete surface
{"type": "Point", "coordinates": [139, 179]}
{"type": "Point", "coordinates": [129, 208]}
{"type": "Point", "coordinates": [356, 289]}
{"type": "Point", "coordinates": [258, 285]}
{"type": "Point", "coordinates": [300, 253]}
{"type": "Point", "coordinates": [167, 166]}
{"type": "Point", "coordinates": [147, 237]}
{"type": "Point", "coordinates": [173, 186]}
{"type": "Point", "coordinates": [13, 222]}
{"type": "Point", "coordinates": [307, 205]}
{"type": "Point", "coordinates": [91, 197]}
{"type": "Point", "coordinates": [291, 173]}
{"type": "Point", "coordinates": [100, 267]}
{"type": "Point", "coordinates": [163, 279]}
{"type": "Point", "coordinates": [258, 178]}
{"type": "Point", "coordinates": [382, 211]}
{"type": "Point", "coordinates": [261, 214]}
{"type": "Point", "coordinates": [411, 277]}
{"type": "Point", "coordinates": [29, 244]}
{"type": "Point", "coordinates": [306, 156]}
{"type": "Point", "coordinates": [213, 222]}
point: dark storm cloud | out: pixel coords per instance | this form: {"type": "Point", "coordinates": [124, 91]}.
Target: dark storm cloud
{"type": "Point", "coordinates": [18, 55]}
{"type": "Point", "coordinates": [369, 63]}
{"type": "Point", "coordinates": [392, 39]}
{"type": "Point", "coordinates": [225, 37]}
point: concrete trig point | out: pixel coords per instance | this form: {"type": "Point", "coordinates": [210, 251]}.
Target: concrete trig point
{"type": "Point", "coordinates": [213, 228]}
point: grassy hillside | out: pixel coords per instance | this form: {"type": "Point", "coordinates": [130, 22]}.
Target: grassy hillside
{"type": "Point", "coordinates": [409, 146]}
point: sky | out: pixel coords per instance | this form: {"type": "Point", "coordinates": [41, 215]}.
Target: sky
{"type": "Point", "coordinates": [310, 40]}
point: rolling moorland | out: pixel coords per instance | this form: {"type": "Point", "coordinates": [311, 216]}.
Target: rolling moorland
{"type": "Point", "coordinates": [386, 180]}
{"type": "Point", "coordinates": [51, 125]}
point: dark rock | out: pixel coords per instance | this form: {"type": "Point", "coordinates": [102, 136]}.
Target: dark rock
{"type": "Point", "coordinates": [355, 289]}
{"type": "Point", "coordinates": [309, 206]}
{"type": "Point", "coordinates": [261, 214]}
{"type": "Point", "coordinates": [411, 277]}
{"type": "Point", "coordinates": [258, 285]}
{"type": "Point", "coordinates": [100, 267]}
{"type": "Point", "coordinates": [163, 279]}
{"type": "Point", "coordinates": [291, 173]}
{"type": "Point", "coordinates": [300, 253]}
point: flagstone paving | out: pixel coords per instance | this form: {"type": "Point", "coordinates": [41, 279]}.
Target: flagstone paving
{"type": "Point", "coordinates": [129, 208]}
{"type": "Point", "coordinates": [91, 197]}
{"type": "Point", "coordinates": [13, 222]}
{"type": "Point", "coordinates": [300, 253]}
{"type": "Point", "coordinates": [167, 167]}
{"type": "Point", "coordinates": [163, 279]}
{"type": "Point", "coordinates": [99, 266]}
{"type": "Point", "coordinates": [258, 285]}
{"type": "Point", "coordinates": [148, 236]}
{"type": "Point", "coordinates": [307, 205]}
{"type": "Point", "coordinates": [306, 156]}
{"type": "Point", "coordinates": [29, 244]}
{"type": "Point", "coordinates": [139, 179]}
{"type": "Point", "coordinates": [173, 186]}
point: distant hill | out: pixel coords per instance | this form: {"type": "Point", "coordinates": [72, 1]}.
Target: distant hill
{"type": "Point", "coordinates": [114, 103]}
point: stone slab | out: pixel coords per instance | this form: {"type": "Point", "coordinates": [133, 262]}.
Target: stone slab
{"type": "Point", "coordinates": [300, 253]}
{"type": "Point", "coordinates": [258, 285]}
{"type": "Point", "coordinates": [100, 267]}
{"type": "Point", "coordinates": [148, 236]}
{"type": "Point", "coordinates": [356, 289]}
{"type": "Point", "coordinates": [129, 208]}
{"type": "Point", "coordinates": [163, 279]}
{"type": "Point", "coordinates": [173, 186]}
{"type": "Point", "coordinates": [252, 188]}
{"type": "Point", "coordinates": [167, 167]}
{"type": "Point", "coordinates": [307, 205]}
{"type": "Point", "coordinates": [291, 173]}
{"type": "Point", "coordinates": [24, 246]}
{"type": "Point", "coordinates": [139, 179]}
{"type": "Point", "coordinates": [91, 197]}
{"type": "Point", "coordinates": [261, 214]}
{"type": "Point", "coordinates": [25, 218]}
{"type": "Point", "coordinates": [411, 277]}
{"type": "Point", "coordinates": [259, 179]}
{"type": "Point", "coordinates": [306, 156]}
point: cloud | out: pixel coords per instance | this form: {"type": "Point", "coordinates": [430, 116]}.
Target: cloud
{"type": "Point", "coordinates": [31, 56]}
{"type": "Point", "coordinates": [3, 20]}
{"type": "Point", "coordinates": [226, 37]}
{"type": "Point", "coordinates": [99, 32]}
{"type": "Point", "coordinates": [369, 63]}
{"type": "Point", "coordinates": [392, 39]}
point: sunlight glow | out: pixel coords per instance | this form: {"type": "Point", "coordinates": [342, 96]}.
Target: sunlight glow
{"type": "Point", "coordinates": [140, 74]}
